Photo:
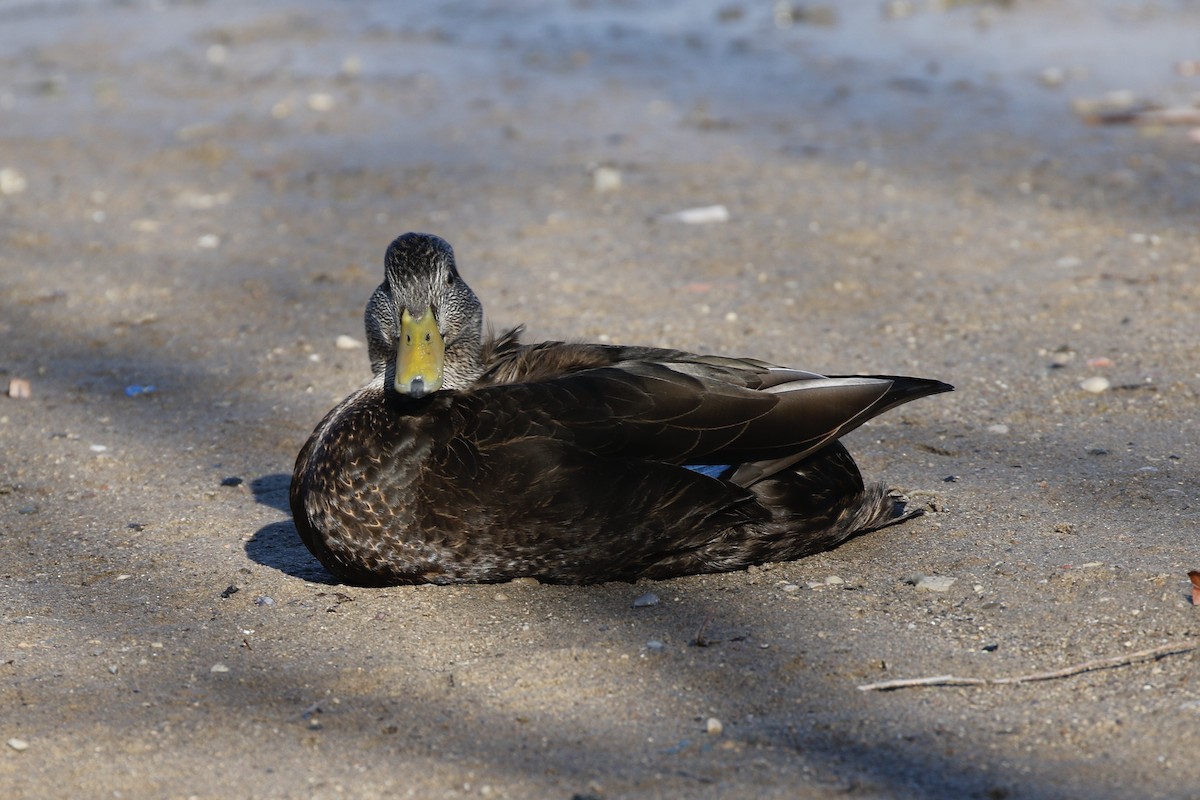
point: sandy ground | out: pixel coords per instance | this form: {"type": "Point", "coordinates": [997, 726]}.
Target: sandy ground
{"type": "Point", "coordinates": [197, 197]}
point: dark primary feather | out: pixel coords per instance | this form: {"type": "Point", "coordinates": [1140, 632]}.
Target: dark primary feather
{"type": "Point", "coordinates": [569, 462]}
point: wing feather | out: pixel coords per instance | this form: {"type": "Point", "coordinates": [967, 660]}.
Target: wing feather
{"type": "Point", "coordinates": [674, 407]}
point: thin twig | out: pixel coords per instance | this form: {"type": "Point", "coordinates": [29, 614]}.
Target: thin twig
{"type": "Point", "coordinates": [1153, 653]}
{"type": "Point", "coordinates": [698, 640]}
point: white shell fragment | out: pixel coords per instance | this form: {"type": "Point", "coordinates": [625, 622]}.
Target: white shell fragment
{"type": "Point", "coordinates": [701, 215]}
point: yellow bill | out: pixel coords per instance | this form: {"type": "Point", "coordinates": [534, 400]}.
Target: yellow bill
{"type": "Point", "coordinates": [419, 355]}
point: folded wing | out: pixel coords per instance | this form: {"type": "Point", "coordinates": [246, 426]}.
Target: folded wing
{"type": "Point", "coordinates": [676, 408]}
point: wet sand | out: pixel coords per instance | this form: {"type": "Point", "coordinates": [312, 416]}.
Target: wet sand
{"type": "Point", "coordinates": [197, 198]}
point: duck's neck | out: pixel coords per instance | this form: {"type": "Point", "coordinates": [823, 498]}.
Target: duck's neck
{"type": "Point", "coordinates": [463, 364]}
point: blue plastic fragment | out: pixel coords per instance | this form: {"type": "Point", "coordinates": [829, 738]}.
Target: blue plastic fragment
{"type": "Point", "coordinates": [134, 390]}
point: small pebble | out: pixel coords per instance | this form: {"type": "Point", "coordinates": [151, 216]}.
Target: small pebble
{"type": "Point", "coordinates": [320, 101]}
{"type": "Point", "coordinates": [218, 667]}
{"type": "Point", "coordinates": [20, 745]}
{"type": "Point", "coordinates": [714, 727]}
{"type": "Point", "coordinates": [11, 181]}
{"type": "Point", "coordinates": [202, 201]}
{"type": "Point", "coordinates": [208, 241]}
{"type": "Point", "coordinates": [232, 480]}
{"type": "Point", "coordinates": [113, 669]}
{"type": "Point", "coordinates": [832, 580]}
{"type": "Point", "coordinates": [19, 389]}
{"type": "Point", "coordinates": [998, 428]}
{"type": "Point", "coordinates": [345, 342]}
{"type": "Point", "coordinates": [352, 66]}
{"type": "Point", "coordinates": [265, 601]}
{"type": "Point", "coordinates": [655, 644]}
{"type": "Point", "coordinates": [98, 448]}
{"type": "Point", "coordinates": [606, 179]}
{"type": "Point", "coordinates": [1060, 358]}
{"type": "Point", "coordinates": [647, 599]}
{"type": "Point", "coordinates": [789, 587]}
{"type": "Point", "coordinates": [1052, 77]}
{"type": "Point", "coordinates": [934, 583]}
{"type": "Point", "coordinates": [1096, 385]}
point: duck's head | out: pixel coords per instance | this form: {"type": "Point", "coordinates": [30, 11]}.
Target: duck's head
{"type": "Point", "coordinates": [423, 319]}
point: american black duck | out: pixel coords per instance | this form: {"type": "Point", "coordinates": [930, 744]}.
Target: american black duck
{"type": "Point", "coordinates": [470, 459]}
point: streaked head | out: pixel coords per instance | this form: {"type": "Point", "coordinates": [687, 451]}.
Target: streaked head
{"type": "Point", "coordinates": [424, 320]}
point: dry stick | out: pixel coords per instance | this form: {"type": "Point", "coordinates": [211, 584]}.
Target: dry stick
{"type": "Point", "coordinates": [1087, 666]}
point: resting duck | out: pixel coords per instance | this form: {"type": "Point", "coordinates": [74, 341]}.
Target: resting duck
{"type": "Point", "coordinates": [468, 459]}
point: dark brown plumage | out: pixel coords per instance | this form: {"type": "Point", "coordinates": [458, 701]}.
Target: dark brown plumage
{"type": "Point", "coordinates": [472, 460]}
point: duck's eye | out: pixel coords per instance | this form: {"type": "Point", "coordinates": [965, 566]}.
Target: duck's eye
{"type": "Point", "coordinates": [449, 280]}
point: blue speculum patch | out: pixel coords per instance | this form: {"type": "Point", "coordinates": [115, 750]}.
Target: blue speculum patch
{"type": "Point", "coordinates": [711, 470]}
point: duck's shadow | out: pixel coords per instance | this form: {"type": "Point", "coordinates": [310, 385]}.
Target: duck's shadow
{"type": "Point", "coordinates": [277, 545]}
